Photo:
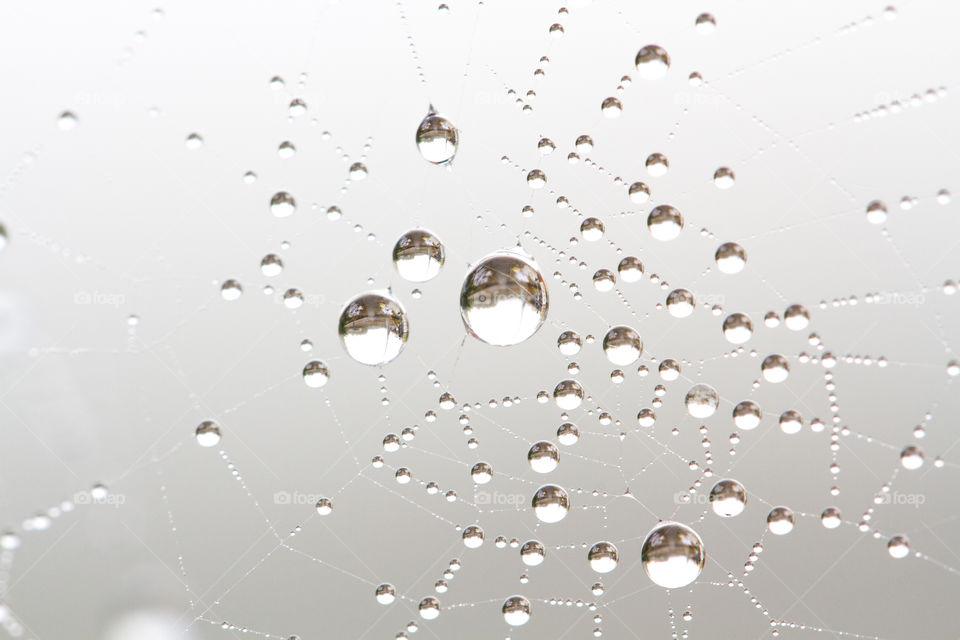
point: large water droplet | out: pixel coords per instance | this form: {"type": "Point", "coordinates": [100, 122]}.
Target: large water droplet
{"type": "Point", "coordinates": [437, 138]}
{"type": "Point", "coordinates": [516, 611]}
{"type": "Point", "coordinates": [672, 555]}
{"type": "Point", "coordinates": [728, 498]}
{"type": "Point", "coordinates": [543, 456]}
{"type": "Point", "coordinates": [373, 328]}
{"type": "Point", "coordinates": [780, 521]}
{"type": "Point", "coordinates": [550, 503]}
{"type": "Point", "coordinates": [665, 223]}
{"type": "Point", "coordinates": [603, 557]}
{"type": "Point", "coordinates": [652, 62]}
{"type": "Point", "coordinates": [622, 345]}
{"type": "Point", "coordinates": [418, 255]}
{"type": "Point", "coordinates": [504, 300]}
{"type": "Point", "coordinates": [701, 401]}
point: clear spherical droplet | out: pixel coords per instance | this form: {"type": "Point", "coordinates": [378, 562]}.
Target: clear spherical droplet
{"type": "Point", "coordinates": [568, 394]}
{"type": "Point", "coordinates": [898, 547]}
{"type": "Point", "coordinates": [775, 368]}
{"type": "Point", "coordinates": [386, 593]}
{"type": "Point", "coordinates": [680, 303]}
{"type": "Point", "coordinates": [730, 258]}
{"type": "Point", "coordinates": [622, 345]}
{"type": "Point", "coordinates": [208, 434]}
{"type": "Point", "coordinates": [672, 555]}
{"type": "Point", "coordinates": [532, 553]}
{"type": "Point", "coordinates": [780, 521]}
{"type": "Point", "coordinates": [315, 374]}
{"type": "Point", "coordinates": [701, 401]}
{"type": "Point", "coordinates": [437, 138]}
{"type": "Point", "coordinates": [550, 503]}
{"type": "Point", "coordinates": [728, 498]}
{"type": "Point", "coordinates": [830, 518]}
{"type": "Point", "coordinates": [504, 300]}
{"type": "Point", "coordinates": [652, 62]}
{"type": "Point", "coordinates": [373, 328]}
{"type": "Point", "coordinates": [418, 255]}
{"type": "Point", "coordinates": [737, 328]}
{"type": "Point", "coordinates": [747, 415]}
{"type": "Point", "coordinates": [665, 223]}
{"type": "Point", "coordinates": [282, 204]}
{"type": "Point", "coordinates": [516, 611]}
{"type": "Point", "coordinates": [603, 557]}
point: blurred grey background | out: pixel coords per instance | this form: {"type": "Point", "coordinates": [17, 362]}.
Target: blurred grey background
{"type": "Point", "coordinates": [116, 341]}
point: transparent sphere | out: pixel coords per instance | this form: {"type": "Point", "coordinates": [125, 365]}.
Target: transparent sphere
{"type": "Point", "coordinates": [418, 255]}
{"type": "Point", "coordinates": [728, 498]}
{"type": "Point", "coordinates": [543, 456]}
{"type": "Point", "coordinates": [324, 506]}
{"type": "Point", "coordinates": [830, 518]}
{"type": "Point", "coordinates": [568, 394]}
{"type": "Point", "coordinates": [724, 178]}
{"type": "Point", "coordinates": [780, 521]}
{"type": "Point", "coordinates": [737, 328]}
{"type": "Point", "coordinates": [315, 374]}
{"type": "Point", "coordinates": [639, 192]}
{"type": "Point", "coordinates": [701, 401]}
{"type": "Point", "coordinates": [775, 368]}
{"type": "Point", "coordinates": [282, 204]}
{"type": "Point", "coordinates": [482, 473]}
{"type": "Point", "coordinates": [429, 608]}
{"type": "Point", "coordinates": [622, 345]}
{"type": "Point", "coordinates": [911, 457]}
{"type": "Point", "coordinates": [730, 258]}
{"type": "Point", "coordinates": [652, 62]}
{"type": "Point", "coordinates": [672, 555]}
{"type": "Point", "coordinates": [630, 269]}
{"type": "Point", "coordinates": [231, 290]}
{"type": "Point", "coordinates": [747, 415]}
{"type": "Point", "coordinates": [796, 317]}
{"type": "Point", "coordinates": [437, 138]}
{"type": "Point", "coordinates": [680, 303]}
{"type": "Point", "coordinates": [504, 300]}
{"type": "Point", "coordinates": [568, 434]}
{"type": "Point", "coordinates": [603, 557]}
{"type": "Point", "coordinates": [373, 328]}
{"type": "Point", "coordinates": [898, 547]}
{"type": "Point", "coordinates": [472, 537]}
{"type": "Point", "coordinates": [876, 212]}
{"type": "Point", "coordinates": [791, 422]}
{"type": "Point", "coordinates": [569, 343]}
{"type": "Point", "coordinates": [208, 434]}
{"type": "Point", "coordinates": [665, 223]}
{"type": "Point", "coordinates": [532, 553]}
{"type": "Point", "coordinates": [516, 611]}
{"type": "Point", "coordinates": [550, 503]}
{"type": "Point", "coordinates": [386, 593]}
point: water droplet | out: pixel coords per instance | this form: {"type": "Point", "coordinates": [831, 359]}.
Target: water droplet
{"type": "Point", "coordinates": [652, 62]}
{"type": "Point", "coordinates": [701, 401]}
{"type": "Point", "coordinates": [830, 518]}
{"type": "Point", "coordinates": [664, 223]}
{"type": "Point", "coordinates": [876, 212]}
{"type": "Point", "coordinates": [437, 138]}
{"type": "Point", "coordinates": [67, 121]}
{"type": "Point", "coordinates": [297, 108]}
{"type": "Point", "coordinates": [584, 144]}
{"type": "Point", "coordinates": [271, 265]}
{"type": "Point", "coordinates": [747, 415]}
{"type": "Point", "coordinates": [603, 557]}
{"type": "Point", "coordinates": [481, 473]}
{"type": "Point", "coordinates": [473, 537]}
{"type": "Point", "coordinates": [315, 374]}
{"type": "Point", "coordinates": [672, 555]}
{"type": "Point", "coordinates": [208, 434]}
{"type": "Point", "coordinates": [780, 521]}
{"type": "Point", "coordinates": [791, 422]}
{"type": "Point", "coordinates": [728, 498]}
{"type": "Point", "coordinates": [657, 165]}
{"type": "Point", "coordinates": [282, 204]}
{"type": "Point", "coordinates": [386, 593]}
{"type": "Point", "coordinates": [898, 547]}
{"type": "Point", "coordinates": [429, 608]}
{"type": "Point", "coordinates": [680, 303]}
{"type": "Point", "coordinates": [546, 146]}
{"type": "Point", "coordinates": [418, 255]}
{"type": "Point", "coordinates": [775, 368]}
{"type": "Point", "coordinates": [706, 24]}
{"type": "Point", "coordinates": [536, 179]}
{"type": "Point", "coordinates": [504, 299]}
{"type": "Point", "coordinates": [611, 107]}
{"type": "Point", "coordinates": [324, 507]}
{"type": "Point", "coordinates": [194, 141]}
{"type": "Point", "coordinates": [543, 456]}
{"type": "Point", "coordinates": [724, 178]}
{"type": "Point", "coordinates": [569, 343]}
{"type": "Point", "coordinates": [231, 290]}
{"type": "Point", "coordinates": [639, 192]}
{"type": "Point", "coordinates": [373, 328]}
{"type": "Point", "coordinates": [532, 553]}
{"type": "Point", "coordinates": [568, 434]}
{"type": "Point", "coordinates": [358, 171]}
{"type": "Point", "coordinates": [796, 317]}
{"type": "Point", "coordinates": [568, 394]}
{"type": "Point", "coordinates": [730, 258]}
{"type": "Point", "coordinates": [516, 611]}
{"type": "Point", "coordinates": [550, 504]}
{"type": "Point", "coordinates": [286, 150]}
{"type": "Point", "coordinates": [622, 345]}
{"type": "Point", "coordinates": [911, 457]}
{"type": "Point", "coordinates": [591, 229]}
{"type": "Point", "coordinates": [737, 328]}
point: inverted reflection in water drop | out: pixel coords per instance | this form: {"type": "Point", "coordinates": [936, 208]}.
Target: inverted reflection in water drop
{"type": "Point", "coordinates": [543, 456]}
{"type": "Point", "coordinates": [876, 212]}
{"type": "Point", "coordinates": [665, 223]}
{"type": "Point", "coordinates": [208, 434]}
{"type": "Point", "coordinates": [680, 303]}
{"type": "Point", "coordinates": [639, 192]}
{"type": "Point", "coordinates": [611, 107]}
{"type": "Point", "coordinates": [911, 457]}
{"type": "Point", "coordinates": [568, 434]}
{"type": "Point", "coordinates": [775, 368]}
{"type": "Point", "coordinates": [780, 521]}
{"type": "Point", "coordinates": [324, 507]}
{"type": "Point", "coordinates": [730, 258]}
{"type": "Point", "coordinates": [550, 504]}
{"type": "Point", "coordinates": [630, 269]}
{"type": "Point", "coordinates": [569, 343]}
{"type": "Point", "coordinates": [67, 121]}
{"type": "Point", "coordinates": [231, 290]}
{"type": "Point", "coordinates": [706, 24]}
{"type": "Point", "coordinates": [373, 328]}
{"type": "Point", "coordinates": [728, 498]}
{"type": "Point", "coordinates": [796, 317]}
{"type": "Point", "coordinates": [657, 165]}
{"type": "Point", "coordinates": [898, 547]}
{"type": "Point", "coordinates": [481, 473]}
{"type": "Point", "coordinates": [532, 553]}
{"type": "Point", "coordinates": [418, 255]}
{"type": "Point", "coordinates": [472, 537]}
{"type": "Point", "coordinates": [315, 374]}
{"type": "Point", "coordinates": [747, 415]}
{"type": "Point", "coordinates": [591, 229]}
{"type": "Point", "coordinates": [386, 593]}
{"type": "Point", "coordinates": [672, 555]}
{"type": "Point", "coordinates": [437, 138]}
{"type": "Point", "coordinates": [603, 557]}
{"type": "Point", "coordinates": [504, 300]}
{"type": "Point", "coordinates": [652, 62]}
{"type": "Point", "coordinates": [194, 141]}
{"type": "Point", "coordinates": [830, 518]}
{"type": "Point", "coordinates": [701, 401]}
{"type": "Point", "coordinates": [622, 345]}
{"type": "Point", "coordinates": [282, 204]}
{"type": "Point", "coordinates": [724, 178]}
{"type": "Point", "coordinates": [429, 608]}
{"type": "Point", "coordinates": [516, 611]}
{"type": "Point", "coordinates": [737, 328]}
{"type": "Point", "coordinates": [568, 394]}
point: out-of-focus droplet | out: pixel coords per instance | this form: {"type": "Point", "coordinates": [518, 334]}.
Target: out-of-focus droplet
{"type": "Point", "coordinates": [504, 299]}
{"type": "Point", "coordinates": [911, 457]}
{"type": "Point", "coordinates": [611, 107]}
{"type": "Point", "coordinates": [701, 401]}
{"type": "Point", "coordinates": [780, 521]}
{"type": "Point", "coordinates": [728, 498]}
{"type": "Point", "coordinates": [418, 255]}
{"type": "Point", "coordinates": [386, 593]}
{"type": "Point", "coordinates": [665, 223]}
{"type": "Point", "coordinates": [550, 503]}
{"type": "Point", "coordinates": [737, 328]}
{"type": "Point", "coordinates": [357, 171]}
{"type": "Point", "coordinates": [775, 368]}
{"type": "Point", "coordinates": [67, 121]}
{"type": "Point", "coordinates": [208, 434]}
{"type": "Point", "coordinates": [639, 192]}
{"type": "Point", "coordinates": [315, 374]}
{"type": "Point", "coordinates": [231, 290]}
{"type": "Point", "coordinates": [373, 328]}
{"type": "Point", "coordinates": [706, 24]}
{"type": "Point", "coordinates": [672, 555]}
{"type": "Point", "coordinates": [898, 547]}
{"type": "Point", "coordinates": [796, 317]}
{"type": "Point", "coordinates": [652, 62]}
{"type": "Point", "coordinates": [282, 204]}
{"type": "Point", "coordinates": [437, 138]}
{"type": "Point", "coordinates": [876, 212]}
{"type": "Point", "coordinates": [791, 422]}
{"type": "Point", "coordinates": [830, 518]}
{"type": "Point", "coordinates": [630, 269]}
{"type": "Point", "coordinates": [286, 150]}
{"type": "Point", "coordinates": [194, 141]}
